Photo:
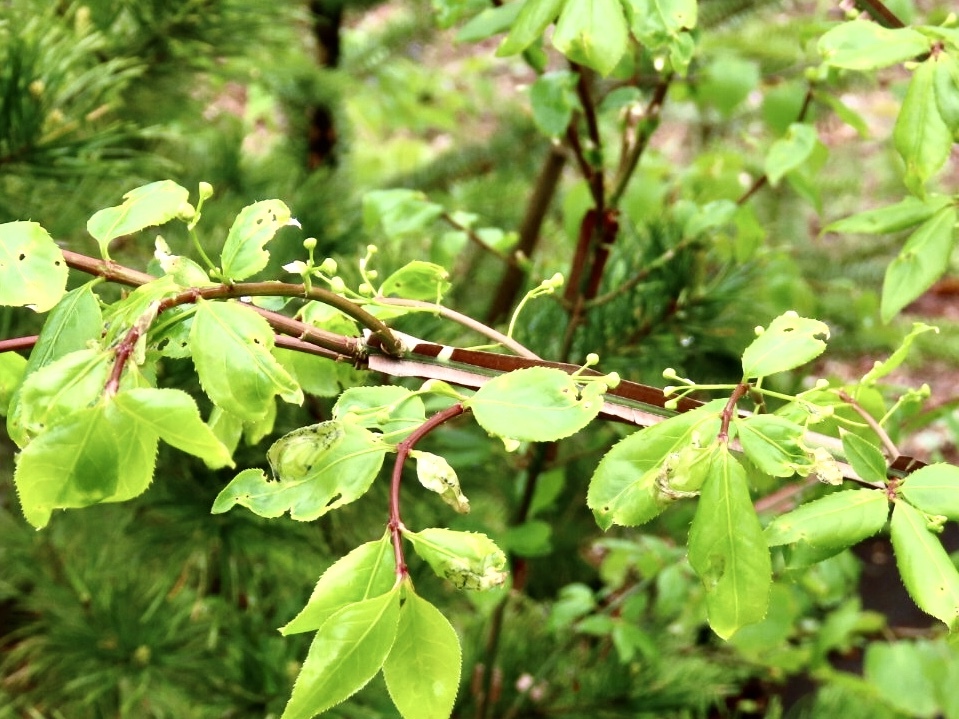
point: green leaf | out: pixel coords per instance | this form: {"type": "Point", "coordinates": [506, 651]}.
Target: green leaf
{"type": "Point", "coordinates": [902, 673]}
{"type": "Point", "coordinates": [727, 548]}
{"type": "Point", "coordinates": [172, 415]}
{"type": "Point", "coordinates": [553, 99]}
{"type": "Point", "coordinates": [867, 45]}
{"type": "Point", "coordinates": [93, 455]}
{"type": "Point", "coordinates": [947, 91]}
{"type": "Point", "coordinates": [436, 474]}
{"type": "Point", "coordinates": [146, 206]}
{"type": "Point", "coordinates": [833, 522]}
{"type": "Point", "coordinates": [934, 489]}
{"type": "Point", "coordinates": [398, 213]}
{"type": "Point", "coordinates": [882, 368]}
{"type": "Point", "coordinates": [625, 488]}
{"type": "Point", "coordinates": [367, 572]}
{"type": "Point", "coordinates": [243, 254]}
{"type": "Point", "coordinates": [538, 404]}
{"type": "Point", "coordinates": [57, 390]}
{"type": "Point", "coordinates": [346, 653]}
{"type": "Point", "coordinates": [12, 369]}
{"type": "Point", "coordinates": [491, 21]}
{"type": "Point", "coordinates": [469, 560]}
{"type": "Point", "coordinates": [660, 19]}
{"type": "Point", "coordinates": [231, 352]}
{"type": "Point", "coordinates": [317, 376]}
{"type": "Point", "coordinates": [532, 20]}
{"type": "Point", "coordinates": [790, 152]}
{"type": "Point", "coordinates": [923, 259]}
{"type": "Point", "coordinates": [727, 82]}
{"type": "Point", "coordinates": [392, 410]}
{"type": "Point", "coordinates": [788, 342]}
{"type": "Point", "coordinates": [33, 272]}
{"type": "Point", "coordinates": [529, 539]}
{"type": "Point", "coordinates": [772, 443]}
{"type": "Point", "coordinates": [317, 469]}
{"type": "Point", "coordinates": [423, 668]}
{"type": "Point", "coordinates": [864, 457]}
{"type": "Point", "coordinates": [417, 280]}
{"type": "Point", "coordinates": [929, 575]}
{"type": "Point", "coordinates": [921, 135]}
{"type": "Point", "coordinates": [592, 33]}
{"type": "Point", "coordinates": [70, 326]}
{"type": "Point", "coordinates": [891, 218]}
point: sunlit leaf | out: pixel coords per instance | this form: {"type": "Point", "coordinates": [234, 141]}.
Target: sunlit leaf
{"type": "Point", "coordinates": [882, 368]}
{"type": "Point", "coordinates": [921, 135]}
{"type": "Point", "coordinates": [790, 341]}
{"type": "Point", "coordinates": [469, 560]}
{"type": "Point", "coordinates": [934, 489]}
{"type": "Point", "coordinates": [154, 204]}
{"type": "Point", "coordinates": [553, 98]}
{"type": "Point", "coordinates": [864, 457]}
{"type": "Point", "coordinates": [417, 280]}
{"type": "Point", "coordinates": [317, 470]}
{"type": "Point", "coordinates": [243, 254]}
{"type": "Point", "coordinates": [833, 522]}
{"type": "Point", "coordinates": [790, 151]}
{"type": "Point", "coordinates": [927, 571]}
{"type": "Point", "coordinates": [392, 410]}
{"type": "Point", "coordinates": [625, 487]}
{"type": "Point", "coordinates": [346, 653]}
{"type": "Point", "coordinates": [907, 213]}
{"type": "Point", "coordinates": [532, 20]}
{"type": "Point", "coordinates": [592, 33]}
{"type": "Point", "coordinates": [538, 404]}
{"type": "Point", "coordinates": [423, 668]}
{"type": "Point", "coordinates": [172, 415]}
{"type": "Point", "coordinates": [772, 443]}
{"type": "Point", "coordinates": [727, 548]}
{"type": "Point", "coordinates": [923, 260]}
{"type": "Point", "coordinates": [366, 572]}
{"type": "Point", "coordinates": [867, 45]}
{"type": "Point", "coordinates": [33, 272]}
{"type": "Point", "coordinates": [231, 352]}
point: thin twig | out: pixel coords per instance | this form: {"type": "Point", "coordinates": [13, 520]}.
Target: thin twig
{"type": "Point", "coordinates": [474, 237]}
{"type": "Point", "coordinates": [464, 320]}
{"type": "Point", "coordinates": [884, 437]}
{"type": "Point", "coordinates": [647, 125]}
{"type": "Point", "coordinates": [17, 344]}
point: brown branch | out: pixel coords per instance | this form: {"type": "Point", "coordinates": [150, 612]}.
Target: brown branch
{"type": "Point", "coordinates": [16, 344]}
{"type": "Point", "coordinates": [473, 236]}
{"type": "Point", "coordinates": [880, 13]}
{"type": "Point", "coordinates": [729, 411]}
{"type": "Point", "coordinates": [646, 126]}
{"type": "Point", "coordinates": [504, 296]}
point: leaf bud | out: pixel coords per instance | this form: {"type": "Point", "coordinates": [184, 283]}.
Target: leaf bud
{"type": "Point", "coordinates": [309, 244]}
{"type": "Point", "coordinates": [337, 284]}
{"type": "Point", "coordinates": [206, 191]}
{"type": "Point", "coordinates": [591, 359]}
{"type": "Point", "coordinates": [186, 212]}
{"type": "Point", "coordinates": [822, 383]}
{"type": "Point", "coordinates": [328, 266]}
{"type": "Point", "coordinates": [671, 404]}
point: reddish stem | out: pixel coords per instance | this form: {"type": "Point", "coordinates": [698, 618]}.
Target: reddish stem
{"type": "Point", "coordinates": [729, 411]}
{"type": "Point", "coordinates": [18, 343]}
{"type": "Point", "coordinates": [402, 452]}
